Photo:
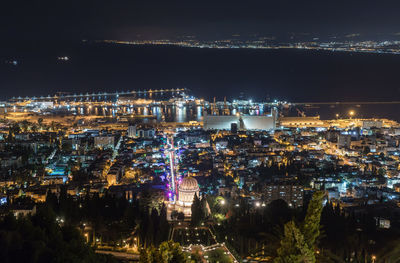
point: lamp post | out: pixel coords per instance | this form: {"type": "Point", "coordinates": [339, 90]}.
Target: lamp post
{"type": "Point", "coordinates": [351, 113]}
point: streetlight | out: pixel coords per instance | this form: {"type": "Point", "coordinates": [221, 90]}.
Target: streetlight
{"type": "Point", "coordinates": [373, 258]}
{"type": "Point", "coordinates": [351, 113]}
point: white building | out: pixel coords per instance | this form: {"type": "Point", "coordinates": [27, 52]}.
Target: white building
{"type": "Point", "coordinates": [368, 124]}
{"type": "Point", "coordinates": [187, 189]}
{"type": "Point", "coordinates": [243, 122]}
{"type": "Point", "coordinates": [132, 133]}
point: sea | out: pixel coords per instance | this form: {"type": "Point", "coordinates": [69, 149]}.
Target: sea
{"type": "Point", "coordinates": [293, 75]}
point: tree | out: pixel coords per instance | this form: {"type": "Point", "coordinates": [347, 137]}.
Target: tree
{"type": "Point", "coordinates": [163, 225]}
{"type": "Point", "coordinates": [14, 129]}
{"type": "Point", "coordinates": [144, 256]}
{"type": "Point", "coordinates": [39, 238]}
{"type": "Point", "coordinates": [219, 256]}
{"type": "Point", "coordinates": [150, 255]}
{"type": "Point", "coordinates": [174, 214]}
{"type": "Point", "coordinates": [366, 150]}
{"type": "Point", "coordinates": [311, 224]}
{"type": "Point", "coordinates": [294, 248]}
{"type": "Point", "coordinates": [40, 123]}
{"type": "Point", "coordinates": [198, 214]}
{"type": "Point", "coordinates": [172, 252]}
{"type": "Point", "coordinates": [195, 257]}
{"type": "Point", "coordinates": [299, 243]}
{"type": "Point", "coordinates": [205, 207]}
{"type": "Point", "coordinates": [181, 216]}
{"type": "Point", "coordinates": [168, 252]}
{"type": "Point", "coordinates": [25, 125]}
{"type": "Point", "coordinates": [278, 212]}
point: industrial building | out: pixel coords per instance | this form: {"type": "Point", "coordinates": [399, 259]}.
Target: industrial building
{"type": "Point", "coordinates": [301, 122]}
{"type": "Point", "coordinates": [240, 122]}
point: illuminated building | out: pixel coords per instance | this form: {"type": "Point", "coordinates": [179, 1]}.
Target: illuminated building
{"type": "Point", "coordinates": [242, 122]}
{"type": "Point", "coordinates": [104, 142]}
{"type": "Point", "coordinates": [301, 122]}
{"type": "Point", "coordinates": [291, 194]}
{"type": "Point", "coordinates": [186, 191]}
{"type": "Point", "coordinates": [132, 133]}
{"type": "Point", "coordinates": [368, 124]}
{"type": "Point", "coordinates": [344, 141]}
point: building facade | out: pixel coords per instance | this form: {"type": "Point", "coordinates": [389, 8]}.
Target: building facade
{"type": "Point", "coordinates": [290, 193]}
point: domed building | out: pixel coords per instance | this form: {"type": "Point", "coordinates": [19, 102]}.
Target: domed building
{"type": "Point", "coordinates": [186, 191]}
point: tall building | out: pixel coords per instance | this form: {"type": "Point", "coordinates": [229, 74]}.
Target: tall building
{"type": "Point", "coordinates": [344, 141]}
{"type": "Point", "coordinates": [142, 131]}
{"type": "Point", "coordinates": [146, 133]}
{"type": "Point", "coordinates": [132, 132]}
{"type": "Point", "coordinates": [290, 193]}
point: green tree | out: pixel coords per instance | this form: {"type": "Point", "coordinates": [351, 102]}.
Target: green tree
{"type": "Point", "coordinates": [311, 224]}
{"type": "Point", "coordinates": [150, 255]}
{"type": "Point", "coordinates": [39, 238]}
{"type": "Point", "coordinates": [15, 129]}
{"type": "Point", "coordinates": [25, 125]}
{"type": "Point", "coordinates": [299, 243]}
{"type": "Point", "coordinates": [197, 211]}
{"type": "Point", "coordinates": [168, 252]}
{"type": "Point", "coordinates": [163, 225]}
{"type": "Point", "coordinates": [172, 252]}
{"type": "Point", "coordinates": [195, 257]}
{"type": "Point", "coordinates": [40, 123]}
{"type": "Point", "coordinates": [218, 256]}
{"type": "Point", "coordinates": [294, 248]}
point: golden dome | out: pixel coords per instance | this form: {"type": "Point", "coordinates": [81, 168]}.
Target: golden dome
{"type": "Point", "coordinates": [189, 184]}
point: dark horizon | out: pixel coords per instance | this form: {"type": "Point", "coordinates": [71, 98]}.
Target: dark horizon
{"type": "Point", "coordinates": [125, 20]}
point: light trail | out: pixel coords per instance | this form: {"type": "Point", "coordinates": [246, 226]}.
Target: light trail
{"type": "Point", "coordinates": [171, 155]}
{"type": "Point", "coordinates": [172, 168]}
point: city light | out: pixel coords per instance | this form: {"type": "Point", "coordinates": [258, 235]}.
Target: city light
{"type": "Point", "coordinates": [118, 161]}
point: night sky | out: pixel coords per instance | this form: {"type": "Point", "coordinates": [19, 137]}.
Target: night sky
{"type": "Point", "coordinates": [36, 32]}
{"type": "Point", "coordinates": [36, 20]}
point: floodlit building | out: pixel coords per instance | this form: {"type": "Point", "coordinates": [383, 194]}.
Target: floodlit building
{"type": "Point", "coordinates": [295, 122]}
{"type": "Point", "coordinates": [368, 124]}
{"type": "Point", "coordinates": [132, 131]}
{"type": "Point", "coordinates": [187, 189]}
{"type": "Point", "coordinates": [242, 122]}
